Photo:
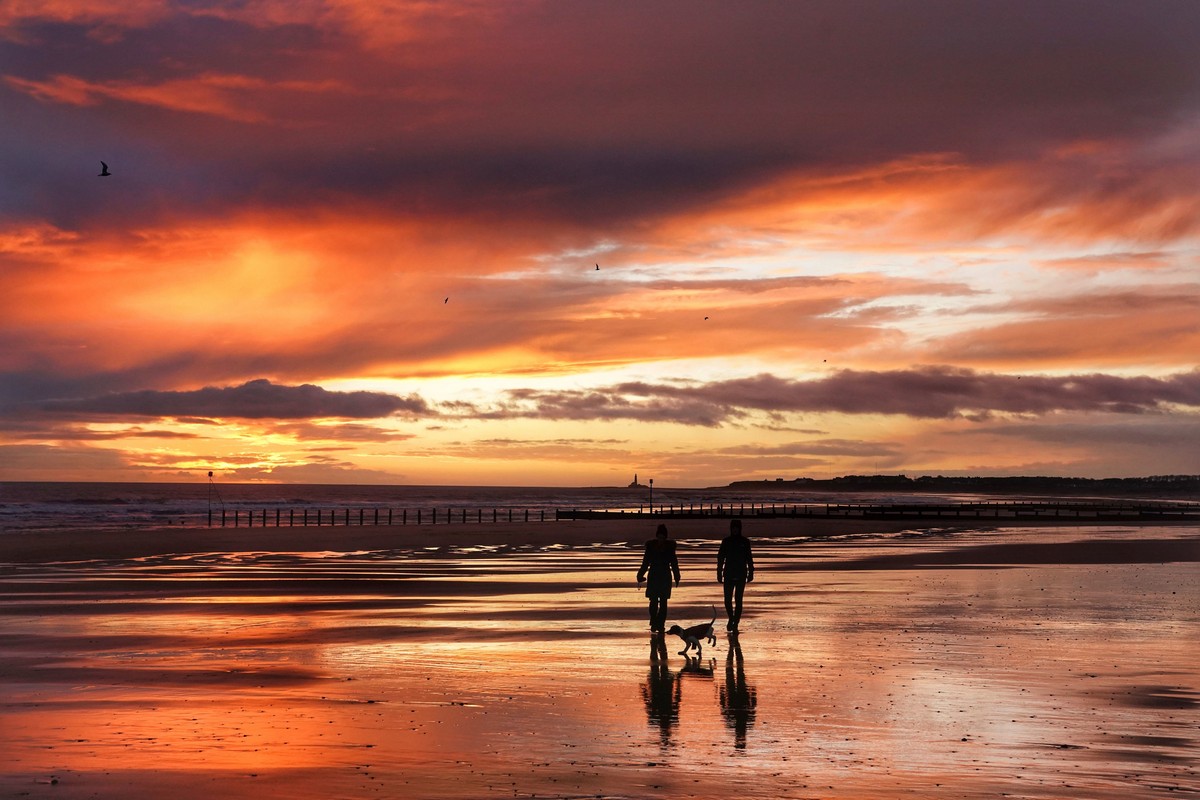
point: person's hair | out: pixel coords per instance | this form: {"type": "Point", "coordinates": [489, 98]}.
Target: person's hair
{"type": "Point", "coordinates": [662, 530]}
{"type": "Point", "coordinates": [735, 525]}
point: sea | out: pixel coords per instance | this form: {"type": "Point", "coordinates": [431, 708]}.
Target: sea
{"type": "Point", "coordinates": [43, 506]}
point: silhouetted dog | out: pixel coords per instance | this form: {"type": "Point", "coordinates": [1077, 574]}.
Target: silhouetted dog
{"type": "Point", "coordinates": [692, 636]}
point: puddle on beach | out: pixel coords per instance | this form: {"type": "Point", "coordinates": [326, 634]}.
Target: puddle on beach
{"type": "Point", "coordinates": [503, 674]}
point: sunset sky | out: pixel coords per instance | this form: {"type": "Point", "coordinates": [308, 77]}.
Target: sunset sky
{"type": "Point", "coordinates": [356, 241]}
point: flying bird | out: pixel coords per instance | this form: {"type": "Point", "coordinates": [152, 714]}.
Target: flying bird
{"type": "Point", "coordinates": [447, 300]}
{"type": "Point", "coordinates": [597, 266]}
{"type": "Point", "coordinates": [104, 173]}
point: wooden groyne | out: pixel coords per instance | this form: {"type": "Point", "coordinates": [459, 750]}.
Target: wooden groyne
{"type": "Point", "coordinates": [1140, 512]}
{"type": "Point", "coordinates": [1002, 511]}
{"type": "Point", "coordinates": [316, 517]}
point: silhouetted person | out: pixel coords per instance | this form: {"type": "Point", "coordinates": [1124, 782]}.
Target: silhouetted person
{"type": "Point", "coordinates": [738, 699]}
{"type": "Point", "coordinates": [735, 568]}
{"type": "Point", "coordinates": [659, 564]}
{"type": "Point", "coordinates": [661, 692]}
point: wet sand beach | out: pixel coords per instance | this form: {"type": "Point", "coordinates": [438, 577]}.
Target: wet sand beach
{"type": "Point", "coordinates": [514, 661]}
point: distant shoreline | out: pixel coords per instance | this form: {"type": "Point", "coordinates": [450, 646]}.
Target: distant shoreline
{"type": "Point", "coordinates": [1158, 485]}
{"type": "Point", "coordinates": [1175, 487]}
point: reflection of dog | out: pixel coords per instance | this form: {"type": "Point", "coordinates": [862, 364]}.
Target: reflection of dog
{"type": "Point", "coordinates": [692, 667]}
{"type": "Point", "coordinates": [692, 636]}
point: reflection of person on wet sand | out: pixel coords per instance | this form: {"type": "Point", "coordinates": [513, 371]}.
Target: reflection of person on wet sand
{"type": "Point", "coordinates": [660, 562]}
{"type": "Point", "coordinates": [739, 699]}
{"type": "Point", "coordinates": [661, 692]}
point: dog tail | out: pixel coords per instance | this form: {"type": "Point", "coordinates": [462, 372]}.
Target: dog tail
{"type": "Point", "coordinates": [714, 619]}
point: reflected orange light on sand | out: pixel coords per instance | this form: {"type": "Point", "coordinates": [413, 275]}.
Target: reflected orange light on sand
{"type": "Point", "coordinates": [533, 670]}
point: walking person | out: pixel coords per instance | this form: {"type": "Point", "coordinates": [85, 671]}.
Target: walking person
{"type": "Point", "coordinates": [735, 568]}
{"type": "Point", "coordinates": [659, 565]}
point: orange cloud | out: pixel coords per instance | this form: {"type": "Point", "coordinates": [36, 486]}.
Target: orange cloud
{"type": "Point", "coordinates": [944, 200]}
{"type": "Point", "coordinates": [335, 297]}
{"type": "Point", "coordinates": [1142, 329]}
{"type": "Point", "coordinates": [234, 97]}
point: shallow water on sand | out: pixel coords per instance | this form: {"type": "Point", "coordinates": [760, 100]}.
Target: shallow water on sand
{"type": "Point", "coordinates": [455, 673]}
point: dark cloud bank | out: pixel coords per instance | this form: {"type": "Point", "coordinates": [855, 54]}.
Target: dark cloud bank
{"type": "Point", "coordinates": [525, 109]}
{"type": "Point", "coordinates": [929, 392]}
{"type": "Point", "coordinates": [258, 399]}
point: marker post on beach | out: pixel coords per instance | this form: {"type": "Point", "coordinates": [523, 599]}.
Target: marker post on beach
{"type": "Point", "coordinates": [212, 489]}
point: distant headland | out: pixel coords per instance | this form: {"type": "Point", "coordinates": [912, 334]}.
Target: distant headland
{"type": "Point", "coordinates": [1157, 485]}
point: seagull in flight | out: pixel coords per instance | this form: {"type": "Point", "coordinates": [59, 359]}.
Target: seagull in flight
{"type": "Point", "coordinates": [447, 300]}
{"type": "Point", "coordinates": [104, 173]}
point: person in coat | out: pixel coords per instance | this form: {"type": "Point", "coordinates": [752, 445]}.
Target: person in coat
{"type": "Point", "coordinates": [659, 565]}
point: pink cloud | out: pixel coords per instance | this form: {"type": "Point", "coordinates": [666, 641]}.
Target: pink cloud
{"type": "Point", "coordinates": [234, 97]}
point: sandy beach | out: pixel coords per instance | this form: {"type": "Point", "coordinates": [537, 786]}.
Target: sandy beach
{"type": "Point", "coordinates": [513, 661]}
